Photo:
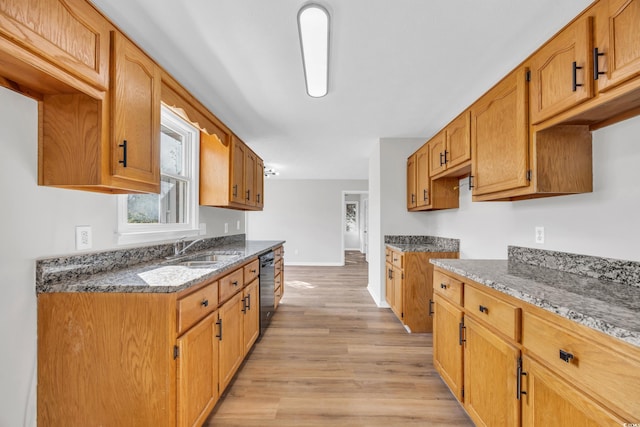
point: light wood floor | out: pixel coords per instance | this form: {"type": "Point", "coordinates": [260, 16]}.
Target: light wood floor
{"type": "Point", "coordinates": [332, 358]}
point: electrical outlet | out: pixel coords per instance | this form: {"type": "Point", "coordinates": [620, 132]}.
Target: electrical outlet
{"type": "Point", "coordinates": [238, 225]}
{"type": "Point", "coordinates": [226, 227]}
{"type": "Point", "coordinates": [540, 235]}
{"type": "Point", "coordinates": [84, 239]}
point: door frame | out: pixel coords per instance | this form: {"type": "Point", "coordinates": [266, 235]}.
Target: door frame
{"type": "Point", "coordinates": [343, 219]}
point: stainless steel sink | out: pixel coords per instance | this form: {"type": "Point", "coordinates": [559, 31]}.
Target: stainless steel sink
{"type": "Point", "coordinates": [204, 260]}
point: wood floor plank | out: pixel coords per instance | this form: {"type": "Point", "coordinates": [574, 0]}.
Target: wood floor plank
{"type": "Point", "coordinates": [332, 358]}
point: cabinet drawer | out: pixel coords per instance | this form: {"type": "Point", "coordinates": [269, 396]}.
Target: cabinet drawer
{"type": "Point", "coordinates": [251, 271]}
{"type": "Point", "coordinates": [277, 268]}
{"type": "Point", "coordinates": [278, 253]}
{"type": "Point", "coordinates": [230, 284]}
{"type": "Point", "coordinates": [600, 370]}
{"type": "Point", "coordinates": [448, 287]}
{"type": "Point", "coordinates": [388, 253]}
{"type": "Point", "coordinates": [397, 259]}
{"type": "Point", "coordinates": [497, 313]}
{"type": "Point", "coordinates": [197, 305]}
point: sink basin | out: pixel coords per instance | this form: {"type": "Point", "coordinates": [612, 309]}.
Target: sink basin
{"type": "Point", "coordinates": [204, 260]}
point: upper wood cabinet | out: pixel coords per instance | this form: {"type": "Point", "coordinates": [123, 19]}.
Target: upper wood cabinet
{"type": "Point", "coordinates": [411, 182]}
{"type": "Point", "coordinates": [109, 144]}
{"type": "Point", "coordinates": [561, 71]}
{"type": "Point", "coordinates": [423, 192]}
{"type": "Point", "coordinates": [617, 49]}
{"type": "Point", "coordinates": [500, 137]}
{"type": "Point", "coordinates": [423, 180]}
{"type": "Point", "coordinates": [450, 150]}
{"type": "Point", "coordinates": [135, 120]}
{"type": "Point", "coordinates": [69, 34]}
{"type": "Point", "coordinates": [231, 175]}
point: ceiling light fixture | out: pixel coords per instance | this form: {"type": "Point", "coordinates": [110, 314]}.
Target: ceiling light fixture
{"type": "Point", "coordinates": [313, 29]}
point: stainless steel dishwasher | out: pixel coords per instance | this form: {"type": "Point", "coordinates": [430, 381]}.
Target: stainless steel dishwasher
{"type": "Point", "coordinates": [267, 290]}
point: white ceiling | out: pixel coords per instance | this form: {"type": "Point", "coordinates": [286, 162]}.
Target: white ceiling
{"type": "Point", "coordinates": [398, 68]}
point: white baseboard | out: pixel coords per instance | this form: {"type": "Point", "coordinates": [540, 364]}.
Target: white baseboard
{"type": "Point", "coordinates": [380, 304]}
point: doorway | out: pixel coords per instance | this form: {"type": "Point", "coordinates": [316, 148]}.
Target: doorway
{"type": "Point", "coordinates": [355, 223]}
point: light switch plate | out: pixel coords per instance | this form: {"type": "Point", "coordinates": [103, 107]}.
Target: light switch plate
{"type": "Point", "coordinates": [84, 239]}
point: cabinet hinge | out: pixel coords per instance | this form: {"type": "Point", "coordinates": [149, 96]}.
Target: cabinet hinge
{"type": "Point", "coordinates": [176, 352]}
{"type": "Point", "coordinates": [527, 75]}
{"type": "Point", "coordinates": [529, 175]}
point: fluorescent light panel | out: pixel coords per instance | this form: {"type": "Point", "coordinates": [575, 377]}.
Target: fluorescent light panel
{"type": "Point", "coordinates": [313, 28]}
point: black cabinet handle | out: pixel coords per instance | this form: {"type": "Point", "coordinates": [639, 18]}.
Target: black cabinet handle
{"type": "Point", "coordinates": [461, 332]}
{"type": "Point", "coordinates": [430, 307]}
{"type": "Point", "coordinates": [443, 286]}
{"type": "Point", "coordinates": [471, 182]}
{"type": "Point", "coordinates": [249, 302]}
{"type": "Point", "coordinates": [445, 157]}
{"type": "Point", "coordinates": [441, 159]}
{"type": "Point", "coordinates": [258, 197]}
{"type": "Point", "coordinates": [244, 305]}
{"type": "Point", "coordinates": [413, 198]}
{"type": "Point", "coordinates": [123, 162]}
{"type": "Point", "coordinates": [248, 195]}
{"type": "Point", "coordinates": [425, 196]}
{"type": "Point", "coordinates": [219, 323]}
{"type": "Point", "coordinates": [566, 356]}
{"type": "Point", "coordinates": [205, 303]}
{"type": "Point", "coordinates": [235, 190]}
{"type": "Point", "coordinates": [575, 84]}
{"type": "Point", "coordinates": [234, 283]}
{"type": "Point", "coordinates": [519, 375]}
{"type": "Point", "coordinates": [596, 68]}
{"type": "Point", "coordinates": [483, 309]}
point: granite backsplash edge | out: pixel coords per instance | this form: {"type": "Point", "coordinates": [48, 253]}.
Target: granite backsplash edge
{"type": "Point", "coordinates": [615, 270]}
{"type": "Point", "coordinates": [448, 245]}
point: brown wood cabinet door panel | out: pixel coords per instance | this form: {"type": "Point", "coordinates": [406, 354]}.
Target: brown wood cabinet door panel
{"type": "Point", "coordinates": [68, 33]}
{"type": "Point", "coordinates": [490, 368]}
{"type": "Point", "coordinates": [237, 183]}
{"type": "Point", "coordinates": [436, 153]}
{"type": "Point", "coordinates": [388, 282]}
{"type": "Point", "coordinates": [553, 74]}
{"type": "Point", "coordinates": [259, 187]}
{"type": "Point", "coordinates": [623, 51]}
{"type": "Point", "coordinates": [459, 140]}
{"type": "Point", "coordinates": [423, 180]}
{"type": "Point", "coordinates": [251, 321]}
{"type": "Point", "coordinates": [136, 113]}
{"type": "Point", "coordinates": [500, 137]}
{"type": "Point", "coordinates": [197, 372]}
{"type": "Point", "coordinates": [447, 349]}
{"type": "Point", "coordinates": [550, 401]}
{"type": "Point", "coordinates": [231, 350]}
{"type": "Point", "coordinates": [411, 183]}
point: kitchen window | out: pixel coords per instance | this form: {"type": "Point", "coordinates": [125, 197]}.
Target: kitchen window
{"type": "Point", "coordinates": [173, 212]}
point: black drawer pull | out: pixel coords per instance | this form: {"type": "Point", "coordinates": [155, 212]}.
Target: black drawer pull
{"type": "Point", "coordinates": [566, 356]}
{"type": "Point", "coordinates": [205, 303]}
{"type": "Point", "coordinates": [483, 309]}
{"type": "Point", "coordinates": [123, 162]}
{"type": "Point", "coordinates": [443, 286]}
{"type": "Point", "coordinates": [234, 283]}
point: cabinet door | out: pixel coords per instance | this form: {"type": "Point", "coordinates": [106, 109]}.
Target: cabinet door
{"type": "Point", "coordinates": [231, 339]}
{"type": "Point", "coordinates": [490, 375]}
{"type": "Point", "coordinates": [622, 55]}
{"type": "Point", "coordinates": [447, 347]}
{"type": "Point", "coordinates": [251, 310]}
{"type": "Point", "coordinates": [398, 285]}
{"type": "Point", "coordinates": [561, 71]}
{"type": "Point", "coordinates": [250, 165]}
{"type": "Point", "coordinates": [135, 86]}
{"type": "Point", "coordinates": [259, 187]}
{"type": "Point", "coordinates": [238, 154]}
{"type": "Point", "coordinates": [458, 136]}
{"type": "Point", "coordinates": [411, 182]}
{"type": "Point", "coordinates": [436, 153]}
{"type": "Point", "coordinates": [422, 176]}
{"type": "Point", "coordinates": [500, 137]}
{"type": "Point", "coordinates": [388, 284]}
{"type": "Point", "coordinates": [197, 372]}
{"type": "Point", "coordinates": [69, 33]}
{"type": "Point", "coordinates": [550, 401]}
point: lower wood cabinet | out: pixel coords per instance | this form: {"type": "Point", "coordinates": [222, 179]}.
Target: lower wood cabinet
{"type": "Point", "coordinates": [510, 363]}
{"type": "Point", "coordinates": [408, 287]}
{"type": "Point", "coordinates": [143, 359]}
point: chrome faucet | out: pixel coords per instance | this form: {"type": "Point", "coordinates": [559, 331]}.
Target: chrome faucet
{"type": "Point", "coordinates": [177, 251]}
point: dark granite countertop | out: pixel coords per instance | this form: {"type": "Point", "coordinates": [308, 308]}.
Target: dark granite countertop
{"type": "Point", "coordinates": [158, 275]}
{"type": "Point", "coordinates": [573, 290]}
{"type": "Point", "coordinates": [422, 244]}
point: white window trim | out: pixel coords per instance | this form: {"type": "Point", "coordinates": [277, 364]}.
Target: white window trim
{"type": "Point", "coordinates": [144, 233]}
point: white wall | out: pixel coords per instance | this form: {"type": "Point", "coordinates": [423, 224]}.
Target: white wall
{"type": "Point", "coordinates": [40, 222]}
{"type": "Point", "coordinates": [308, 215]}
{"type": "Point", "coordinates": [602, 223]}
